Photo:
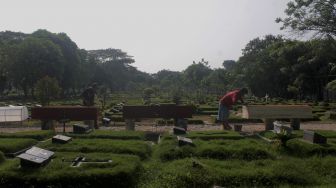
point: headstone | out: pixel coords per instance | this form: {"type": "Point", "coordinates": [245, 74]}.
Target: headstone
{"type": "Point", "coordinates": [61, 139]}
{"type": "Point", "coordinates": [237, 128]}
{"type": "Point", "coordinates": [295, 124]}
{"type": "Point", "coordinates": [268, 124]}
{"type": "Point", "coordinates": [90, 123]}
{"type": "Point", "coordinates": [182, 141]}
{"type": "Point", "coordinates": [179, 130]}
{"type": "Point", "coordinates": [181, 122]}
{"type": "Point", "coordinates": [106, 121]}
{"type": "Point", "coordinates": [80, 129]}
{"type": "Point", "coordinates": [281, 128]}
{"type": "Point", "coordinates": [314, 137]}
{"type": "Point", "coordinates": [130, 125]}
{"type": "Point", "coordinates": [35, 157]}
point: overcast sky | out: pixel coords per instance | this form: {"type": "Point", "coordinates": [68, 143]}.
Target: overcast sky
{"type": "Point", "coordinates": [160, 34]}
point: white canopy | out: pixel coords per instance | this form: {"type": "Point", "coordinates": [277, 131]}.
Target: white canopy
{"type": "Point", "coordinates": [13, 113]}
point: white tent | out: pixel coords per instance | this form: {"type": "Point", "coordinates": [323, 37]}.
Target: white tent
{"type": "Point", "coordinates": [13, 113]}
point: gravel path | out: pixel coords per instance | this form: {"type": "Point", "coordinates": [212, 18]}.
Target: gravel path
{"type": "Point", "coordinates": [148, 126]}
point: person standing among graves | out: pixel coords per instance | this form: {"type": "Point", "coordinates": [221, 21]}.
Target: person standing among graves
{"type": "Point", "coordinates": [225, 104]}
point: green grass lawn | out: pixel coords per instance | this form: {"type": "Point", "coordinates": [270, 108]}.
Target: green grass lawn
{"type": "Point", "coordinates": [12, 145]}
{"type": "Point", "coordinates": [135, 147]}
{"type": "Point", "coordinates": [223, 158]}
{"type": "Point", "coordinates": [121, 172]}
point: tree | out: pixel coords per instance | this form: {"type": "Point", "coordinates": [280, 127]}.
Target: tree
{"type": "Point", "coordinates": [71, 57]}
{"type": "Point", "coordinates": [318, 16]}
{"type": "Point", "coordinates": [229, 64]}
{"type": "Point", "coordinates": [195, 73]}
{"type": "Point", "coordinates": [147, 93]}
{"type": "Point", "coordinates": [35, 59]}
{"type": "Point", "coordinates": [47, 88]}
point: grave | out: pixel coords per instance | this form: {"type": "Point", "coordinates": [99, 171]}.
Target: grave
{"type": "Point", "coordinates": [314, 137]}
{"type": "Point", "coordinates": [81, 129]}
{"type": "Point", "coordinates": [182, 141]}
{"type": "Point", "coordinates": [81, 159]}
{"type": "Point", "coordinates": [61, 139]}
{"type": "Point", "coordinates": [281, 128]}
{"type": "Point", "coordinates": [179, 130]}
{"type": "Point", "coordinates": [35, 157]}
{"type": "Point", "coordinates": [106, 121]}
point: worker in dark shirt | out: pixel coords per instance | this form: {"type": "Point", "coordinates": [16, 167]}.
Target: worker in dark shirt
{"type": "Point", "coordinates": [225, 104]}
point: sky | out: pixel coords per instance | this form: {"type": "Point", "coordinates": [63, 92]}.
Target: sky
{"type": "Point", "coordinates": [159, 34]}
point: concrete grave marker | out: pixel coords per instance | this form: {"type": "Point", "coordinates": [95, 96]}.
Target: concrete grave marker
{"type": "Point", "coordinates": [80, 129]}
{"type": "Point", "coordinates": [314, 137]}
{"type": "Point", "coordinates": [35, 157]}
{"type": "Point", "coordinates": [179, 130]}
{"type": "Point", "coordinates": [182, 141]}
{"type": "Point", "coordinates": [61, 139]}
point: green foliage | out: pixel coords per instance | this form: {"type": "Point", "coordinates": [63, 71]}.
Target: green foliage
{"type": "Point", "coordinates": [244, 149]}
{"type": "Point", "coordinates": [210, 135]}
{"type": "Point", "coordinates": [302, 148]}
{"type": "Point", "coordinates": [37, 135]}
{"type": "Point", "coordinates": [310, 15]}
{"type": "Point", "coordinates": [134, 147]}
{"type": "Point", "coordinates": [2, 157]}
{"type": "Point", "coordinates": [46, 89]}
{"type": "Point", "coordinates": [121, 135]}
{"type": "Point", "coordinates": [236, 173]}
{"type": "Point", "coordinates": [123, 171]}
{"type": "Point", "coordinates": [12, 145]}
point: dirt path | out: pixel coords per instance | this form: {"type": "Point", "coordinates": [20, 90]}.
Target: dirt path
{"type": "Point", "coordinates": [147, 126]}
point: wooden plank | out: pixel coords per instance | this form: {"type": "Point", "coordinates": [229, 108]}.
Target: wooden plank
{"type": "Point", "coordinates": [277, 111]}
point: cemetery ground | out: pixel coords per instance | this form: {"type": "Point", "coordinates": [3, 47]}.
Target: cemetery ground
{"type": "Point", "coordinates": [118, 158]}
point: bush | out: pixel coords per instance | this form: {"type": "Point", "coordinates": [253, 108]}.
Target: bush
{"type": "Point", "coordinates": [208, 135]}
{"type": "Point", "coordinates": [134, 147]}
{"type": "Point", "coordinates": [302, 148]}
{"type": "Point", "coordinates": [233, 173]}
{"type": "Point", "coordinates": [245, 149]}
{"type": "Point", "coordinates": [12, 145]}
{"type": "Point", "coordinates": [2, 157]}
{"type": "Point", "coordinates": [123, 171]}
{"type": "Point", "coordinates": [106, 134]}
{"type": "Point", "coordinates": [38, 135]}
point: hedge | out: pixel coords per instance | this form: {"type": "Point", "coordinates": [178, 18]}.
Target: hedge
{"type": "Point", "coordinates": [134, 147]}
{"type": "Point", "coordinates": [123, 171]}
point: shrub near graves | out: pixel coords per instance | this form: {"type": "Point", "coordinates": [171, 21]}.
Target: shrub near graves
{"type": "Point", "coordinates": [121, 135]}
{"type": "Point", "coordinates": [2, 157]}
{"type": "Point", "coordinates": [123, 171]}
{"type": "Point", "coordinates": [134, 147]}
{"type": "Point", "coordinates": [12, 145]}
{"type": "Point", "coordinates": [245, 149]}
{"type": "Point", "coordinates": [209, 135]}
{"type": "Point", "coordinates": [192, 172]}
{"type": "Point", "coordinates": [302, 148]}
{"type": "Point", "coordinates": [38, 135]}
